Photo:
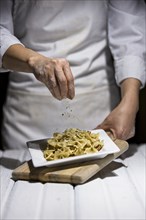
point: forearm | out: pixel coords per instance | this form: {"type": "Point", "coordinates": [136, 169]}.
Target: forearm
{"type": "Point", "coordinates": [17, 58]}
{"type": "Point", "coordinates": [55, 73]}
{"type": "Point", "coordinates": [121, 121]}
{"type": "Point", "coordinates": [130, 94]}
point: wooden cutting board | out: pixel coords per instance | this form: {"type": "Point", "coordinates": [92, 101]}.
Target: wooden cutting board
{"type": "Point", "coordinates": [75, 174]}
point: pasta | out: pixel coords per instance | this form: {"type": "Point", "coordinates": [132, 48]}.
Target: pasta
{"type": "Point", "coordinates": [72, 142]}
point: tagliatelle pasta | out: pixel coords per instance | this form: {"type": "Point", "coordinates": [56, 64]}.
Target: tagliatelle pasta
{"type": "Point", "coordinates": [72, 142]}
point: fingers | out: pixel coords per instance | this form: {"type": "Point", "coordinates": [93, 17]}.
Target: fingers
{"type": "Point", "coordinates": [130, 134]}
{"type": "Point", "coordinates": [111, 132]}
{"type": "Point", "coordinates": [53, 87]}
{"type": "Point", "coordinates": [70, 81]}
{"type": "Point", "coordinates": [117, 132]}
{"type": "Point", "coordinates": [56, 75]}
{"type": "Point", "coordinates": [61, 82]}
{"type": "Point", "coordinates": [60, 79]}
{"type": "Point", "coordinates": [120, 122]}
{"type": "Point", "coordinates": [65, 80]}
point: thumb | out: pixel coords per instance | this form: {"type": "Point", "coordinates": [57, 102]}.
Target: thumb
{"type": "Point", "coordinates": [110, 131]}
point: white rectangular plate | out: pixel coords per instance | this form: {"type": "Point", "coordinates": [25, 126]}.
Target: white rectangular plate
{"type": "Point", "coordinates": [38, 159]}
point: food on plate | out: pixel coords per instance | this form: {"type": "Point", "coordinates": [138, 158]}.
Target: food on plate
{"type": "Point", "coordinates": [72, 142]}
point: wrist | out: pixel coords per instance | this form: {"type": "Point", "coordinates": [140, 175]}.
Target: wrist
{"type": "Point", "coordinates": [17, 58]}
{"type": "Point", "coordinates": [34, 59]}
{"type": "Point", "coordinates": [130, 86]}
{"type": "Point", "coordinates": [130, 94]}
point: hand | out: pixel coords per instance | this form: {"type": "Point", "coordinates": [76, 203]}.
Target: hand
{"type": "Point", "coordinates": [55, 74]}
{"type": "Point", "coordinates": [120, 123]}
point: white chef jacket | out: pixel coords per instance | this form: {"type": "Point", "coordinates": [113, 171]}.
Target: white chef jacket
{"type": "Point", "coordinates": [86, 33]}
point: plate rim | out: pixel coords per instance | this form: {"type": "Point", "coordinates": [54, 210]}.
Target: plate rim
{"type": "Point", "coordinates": [78, 158]}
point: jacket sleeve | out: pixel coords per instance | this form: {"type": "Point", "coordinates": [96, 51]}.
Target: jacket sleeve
{"type": "Point", "coordinates": [6, 28]}
{"type": "Point", "coordinates": [126, 35]}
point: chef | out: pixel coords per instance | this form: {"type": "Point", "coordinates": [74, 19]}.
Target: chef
{"type": "Point", "coordinates": [72, 64]}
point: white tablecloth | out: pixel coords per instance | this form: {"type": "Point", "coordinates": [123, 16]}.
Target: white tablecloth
{"type": "Point", "coordinates": [117, 192]}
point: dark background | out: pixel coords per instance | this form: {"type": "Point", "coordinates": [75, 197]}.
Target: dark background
{"type": "Point", "coordinates": [140, 134]}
